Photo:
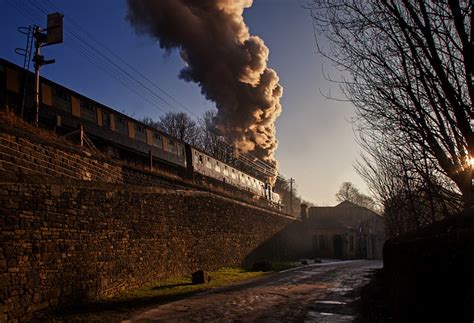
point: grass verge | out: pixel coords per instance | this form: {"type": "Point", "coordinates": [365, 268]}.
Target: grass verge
{"type": "Point", "coordinates": [150, 295]}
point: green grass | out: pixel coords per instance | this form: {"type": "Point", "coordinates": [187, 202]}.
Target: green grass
{"type": "Point", "coordinates": [124, 305]}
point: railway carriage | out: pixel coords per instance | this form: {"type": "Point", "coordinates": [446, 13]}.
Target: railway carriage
{"type": "Point", "coordinates": [206, 165]}
{"type": "Point", "coordinates": [66, 110]}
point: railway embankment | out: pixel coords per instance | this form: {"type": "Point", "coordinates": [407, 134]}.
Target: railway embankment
{"type": "Point", "coordinates": [74, 241]}
{"type": "Point", "coordinates": [77, 227]}
{"type": "Point", "coordinates": [26, 150]}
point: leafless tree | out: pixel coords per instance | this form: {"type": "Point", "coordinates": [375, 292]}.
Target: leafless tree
{"type": "Point", "coordinates": [349, 192]}
{"type": "Point", "coordinates": [212, 143]}
{"type": "Point", "coordinates": [408, 68]}
{"type": "Point", "coordinates": [407, 184]}
{"type": "Point", "coordinates": [178, 125]}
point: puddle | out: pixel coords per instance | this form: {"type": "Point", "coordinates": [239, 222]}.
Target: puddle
{"type": "Point", "coordinates": [332, 311]}
{"type": "Point", "coordinates": [326, 317]}
{"type": "Point", "coordinates": [331, 302]}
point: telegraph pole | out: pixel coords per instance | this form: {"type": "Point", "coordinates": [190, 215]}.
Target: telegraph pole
{"type": "Point", "coordinates": [292, 181]}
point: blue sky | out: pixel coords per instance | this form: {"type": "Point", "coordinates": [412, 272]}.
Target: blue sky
{"type": "Point", "coordinates": [316, 142]}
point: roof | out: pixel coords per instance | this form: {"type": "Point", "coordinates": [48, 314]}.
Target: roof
{"type": "Point", "coordinates": [347, 204]}
{"type": "Point", "coordinates": [346, 214]}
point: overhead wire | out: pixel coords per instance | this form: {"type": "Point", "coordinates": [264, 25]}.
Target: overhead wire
{"type": "Point", "coordinates": [113, 66]}
{"type": "Point", "coordinates": [82, 50]}
{"type": "Point", "coordinates": [96, 57]}
{"type": "Point", "coordinates": [249, 159]}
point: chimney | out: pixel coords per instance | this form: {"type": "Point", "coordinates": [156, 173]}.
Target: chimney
{"type": "Point", "coordinates": [304, 213]}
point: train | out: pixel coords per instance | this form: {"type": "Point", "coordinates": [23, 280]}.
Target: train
{"type": "Point", "coordinates": [65, 109]}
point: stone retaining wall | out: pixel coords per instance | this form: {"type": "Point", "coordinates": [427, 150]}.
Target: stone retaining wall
{"type": "Point", "coordinates": [19, 154]}
{"type": "Point", "coordinates": [75, 242]}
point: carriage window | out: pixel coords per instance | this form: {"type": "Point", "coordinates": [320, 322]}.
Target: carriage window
{"type": "Point", "coordinates": [158, 140]}
{"type": "Point", "coordinates": [140, 133]}
{"type": "Point", "coordinates": [62, 100]}
{"type": "Point", "coordinates": [200, 159]}
{"type": "Point", "coordinates": [208, 163]}
{"type": "Point", "coordinates": [121, 125]}
{"type": "Point", "coordinates": [179, 149]}
{"type": "Point", "coordinates": [88, 111]}
{"type": "Point", "coordinates": [106, 119]}
{"type": "Point", "coordinates": [171, 146]}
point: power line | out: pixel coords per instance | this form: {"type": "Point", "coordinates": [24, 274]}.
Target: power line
{"type": "Point", "coordinates": [104, 63]}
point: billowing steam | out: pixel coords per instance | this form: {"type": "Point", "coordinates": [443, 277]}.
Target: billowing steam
{"type": "Point", "coordinates": [229, 65]}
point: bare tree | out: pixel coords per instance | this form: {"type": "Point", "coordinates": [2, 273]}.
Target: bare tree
{"type": "Point", "coordinates": [407, 184]}
{"type": "Point", "coordinates": [409, 65]}
{"type": "Point", "coordinates": [349, 192]}
{"type": "Point", "coordinates": [178, 125]}
{"type": "Point", "coordinates": [209, 141]}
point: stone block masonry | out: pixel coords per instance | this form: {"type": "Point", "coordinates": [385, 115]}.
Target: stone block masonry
{"type": "Point", "coordinates": [20, 154]}
{"type": "Point", "coordinates": [67, 243]}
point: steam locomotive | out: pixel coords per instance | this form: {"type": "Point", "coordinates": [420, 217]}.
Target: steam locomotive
{"type": "Point", "coordinates": [65, 109]}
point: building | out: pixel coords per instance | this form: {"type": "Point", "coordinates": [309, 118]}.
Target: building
{"type": "Point", "coordinates": [345, 231]}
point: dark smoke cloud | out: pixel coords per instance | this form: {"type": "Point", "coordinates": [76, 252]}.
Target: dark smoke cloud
{"type": "Point", "coordinates": [227, 62]}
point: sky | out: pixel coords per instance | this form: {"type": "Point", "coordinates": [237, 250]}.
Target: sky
{"type": "Point", "coordinates": [316, 141]}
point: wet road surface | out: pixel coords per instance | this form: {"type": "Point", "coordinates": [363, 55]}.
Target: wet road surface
{"type": "Point", "coordinates": [314, 293]}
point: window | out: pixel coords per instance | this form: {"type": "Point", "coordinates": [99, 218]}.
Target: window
{"type": "Point", "coordinates": [172, 146]}
{"type": "Point", "coordinates": [200, 159]}
{"type": "Point", "coordinates": [106, 119]}
{"type": "Point", "coordinates": [179, 149]}
{"type": "Point", "coordinates": [157, 140]}
{"type": "Point", "coordinates": [217, 168]}
{"type": "Point", "coordinates": [88, 111]}
{"type": "Point", "coordinates": [322, 244]}
{"type": "Point", "coordinates": [315, 242]}
{"type": "Point", "coordinates": [351, 243]}
{"type": "Point", "coordinates": [140, 132]}
{"type": "Point", "coordinates": [208, 163]}
{"type": "Point", "coordinates": [121, 125]}
{"type": "Point", "coordinates": [62, 100]}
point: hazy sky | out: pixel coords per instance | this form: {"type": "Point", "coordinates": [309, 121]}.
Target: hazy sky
{"type": "Point", "coordinates": [316, 142]}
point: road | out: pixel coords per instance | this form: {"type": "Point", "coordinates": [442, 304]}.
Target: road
{"type": "Point", "coordinates": [314, 293]}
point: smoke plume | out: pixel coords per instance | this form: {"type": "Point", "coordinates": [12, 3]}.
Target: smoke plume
{"type": "Point", "coordinates": [227, 62]}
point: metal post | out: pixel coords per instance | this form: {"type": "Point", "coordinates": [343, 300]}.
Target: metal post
{"type": "Point", "coordinates": [36, 34]}
{"type": "Point", "coordinates": [151, 160]}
